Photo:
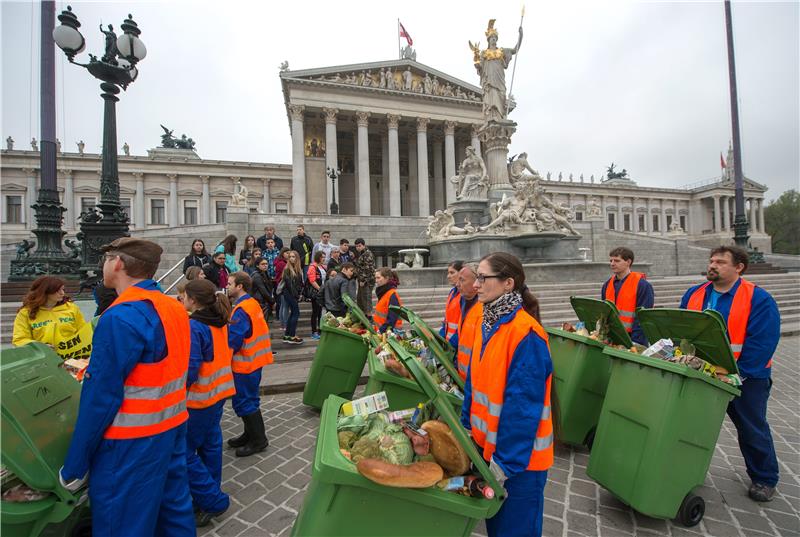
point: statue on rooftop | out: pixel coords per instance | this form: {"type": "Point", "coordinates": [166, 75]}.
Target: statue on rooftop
{"type": "Point", "coordinates": [10, 143]}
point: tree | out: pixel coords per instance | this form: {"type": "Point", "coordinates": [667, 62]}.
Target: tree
{"type": "Point", "coordinates": [782, 220]}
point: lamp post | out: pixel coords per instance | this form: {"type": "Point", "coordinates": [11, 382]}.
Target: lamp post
{"type": "Point", "coordinates": [115, 69]}
{"type": "Point", "coordinates": [334, 174]}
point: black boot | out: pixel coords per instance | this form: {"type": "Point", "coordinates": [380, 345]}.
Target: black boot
{"type": "Point", "coordinates": [254, 425]}
{"type": "Point", "coordinates": [239, 441]}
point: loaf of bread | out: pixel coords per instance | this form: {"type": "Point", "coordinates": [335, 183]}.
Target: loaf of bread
{"type": "Point", "coordinates": [446, 449]}
{"type": "Point", "coordinates": [415, 476]}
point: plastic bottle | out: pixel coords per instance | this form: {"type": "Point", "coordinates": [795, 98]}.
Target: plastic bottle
{"type": "Point", "coordinates": [472, 485]}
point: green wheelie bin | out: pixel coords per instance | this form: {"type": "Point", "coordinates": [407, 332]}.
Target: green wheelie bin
{"type": "Point", "coordinates": [340, 501]}
{"type": "Point", "coordinates": [338, 361]}
{"type": "Point", "coordinates": [581, 370]}
{"type": "Point", "coordinates": [660, 420]}
{"type": "Point", "coordinates": [39, 410]}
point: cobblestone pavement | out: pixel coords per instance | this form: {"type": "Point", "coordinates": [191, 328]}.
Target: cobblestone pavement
{"type": "Point", "coordinates": [267, 489]}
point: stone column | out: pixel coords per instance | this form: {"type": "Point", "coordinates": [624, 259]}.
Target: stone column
{"type": "Point", "coordinates": [476, 141]}
{"type": "Point", "coordinates": [413, 180]}
{"type": "Point", "coordinates": [331, 150]}
{"type": "Point", "coordinates": [173, 200]}
{"type": "Point", "coordinates": [662, 219]}
{"type": "Point", "coordinates": [205, 202]}
{"type": "Point", "coordinates": [265, 195]}
{"type": "Point", "coordinates": [383, 191]}
{"type": "Point", "coordinates": [139, 212]}
{"type": "Point", "coordinates": [620, 223]}
{"type": "Point", "coordinates": [648, 220]}
{"type": "Point", "coordinates": [717, 227]}
{"type": "Point", "coordinates": [30, 198]}
{"type": "Point", "coordinates": [449, 160]}
{"type": "Point", "coordinates": [753, 222]}
{"type": "Point", "coordinates": [392, 122]}
{"type": "Point", "coordinates": [297, 113]}
{"type": "Point", "coordinates": [362, 120]}
{"type": "Point", "coordinates": [761, 227]}
{"type": "Point", "coordinates": [495, 138]}
{"type": "Point", "coordinates": [731, 208]}
{"type": "Point", "coordinates": [422, 166]}
{"type": "Point", "coordinates": [69, 200]}
{"type": "Point", "coordinates": [438, 184]}
{"type": "Point", "coordinates": [725, 224]}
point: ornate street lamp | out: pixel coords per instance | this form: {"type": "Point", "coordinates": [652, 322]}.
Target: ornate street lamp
{"type": "Point", "coordinates": [334, 174]}
{"type": "Point", "coordinates": [116, 69]}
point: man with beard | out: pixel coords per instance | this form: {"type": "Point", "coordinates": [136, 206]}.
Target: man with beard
{"type": "Point", "coordinates": [754, 327]}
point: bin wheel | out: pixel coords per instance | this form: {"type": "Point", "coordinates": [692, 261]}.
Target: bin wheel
{"type": "Point", "coordinates": [589, 441]}
{"type": "Point", "coordinates": [692, 510]}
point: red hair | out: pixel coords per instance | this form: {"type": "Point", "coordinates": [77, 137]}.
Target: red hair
{"type": "Point", "coordinates": [37, 294]}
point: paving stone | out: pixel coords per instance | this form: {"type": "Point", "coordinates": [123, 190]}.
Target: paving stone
{"type": "Point", "coordinates": [753, 522]}
{"type": "Point", "coordinates": [582, 504]}
{"type": "Point", "coordinates": [230, 528]}
{"type": "Point", "coordinates": [790, 524]}
{"type": "Point", "coordinates": [615, 518]}
{"type": "Point", "coordinates": [721, 529]}
{"type": "Point", "coordinates": [554, 508]}
{"type": "Point", "coordinates": [552, 526]}
{"type": "Point", "coordinates": [581, 523]}
{"type": "Point", "coordinates": [584, 488]}
{"type": "Point", "coordinates": [255, 511]}
{"type": "Point", "coordinates": [277, 520]}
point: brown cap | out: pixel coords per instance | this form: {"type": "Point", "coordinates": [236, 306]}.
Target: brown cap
{"type": "Point", "coordinates": [136, 248]}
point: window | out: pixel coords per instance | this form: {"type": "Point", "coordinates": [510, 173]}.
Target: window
{"type": "Point", "coordinates": [88, 204]}
{"type": "Point", "coordinates": [655, 223]}
{"type": "Point", "coordinates": [13, 209]}
{"type": "Point", "coordinates": [222, 209]}
{"type": "Point", "coordinates": [126, 207]}
{"type": "Point", "coordinates": [190, 213]}
{"type": "Point", "coordinates": [281, 207]}
{"type": "Point", "coordinates": [612, 220]}
{"type": "Point", "coordinates": [642, 222]}
{"type": "Point", "coordinates": [579, 216]}
{"type": "Point", "coordinates": [669, 220]}
{"type": "Point", "coordinates": [626, 222]}
{"type": "Point", "coordinates": [158, 212]}
{"type": "Point", "coordinates": [253, 206]}
{"type": "Point", "coordinates": [683, 221]}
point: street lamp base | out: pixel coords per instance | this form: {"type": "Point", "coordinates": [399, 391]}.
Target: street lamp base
{"type": "Point", "coordinates": [32, 267]}
{"type": "Point", "coordinates": [334, 208]}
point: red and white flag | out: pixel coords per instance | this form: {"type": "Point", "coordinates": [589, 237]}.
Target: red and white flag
{"type": "Point", "coordinates": [404, 33]}
{"type": "Point", "coordinates": [722, 161]}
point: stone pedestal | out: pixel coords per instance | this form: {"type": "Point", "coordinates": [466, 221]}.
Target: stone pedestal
{"type": "Point", "coordinates": [236, 221]}
{"type": "Point", "coordinates": [476, 210]}
{"type": "Point", "coordinates": [530, 248]}
{"type": "Point", "coordinates": [495, 138]}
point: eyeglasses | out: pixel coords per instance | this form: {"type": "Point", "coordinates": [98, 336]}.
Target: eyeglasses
{"type": "Point", "coordinates": [109, 257]}
{"type": "Point", "coordinates": [481, 278]}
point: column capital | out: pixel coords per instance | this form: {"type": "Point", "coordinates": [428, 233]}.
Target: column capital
{"type": "Point", "coordinates": [475, 128]}
{"type": "Point", "coordinates": [204, 178]}
{"type": "Point", "coordinates": [450, 128]}
{"type": "Point", "coordinates": [235, 178]}
{"type": "Point", "coordinates": [362, 118]}
{"type": "Point", "coordinates": [297, 111]}
{"type": "Point", "coordinates": [137, 175]}
{"type": "Point", "coordinates": [172, 177]}
{"type": "Point", "coordinates": [65, 172]}
{"type": "Point", "coordinates": [422, 124]}
{"type": "Point", "coordinates": [267, 180]}
{"type": "Point", "coordinates": [30, 171]}
{"type": "Point", "coordinates": [393, 120]}
{"type": "Point", "coordinates": [330, 115]}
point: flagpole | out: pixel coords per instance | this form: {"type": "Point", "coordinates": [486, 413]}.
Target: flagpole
{"type": "Point", "coordinates": [514, 68]}
{"type": "Point", "coordinates": [399, 54]}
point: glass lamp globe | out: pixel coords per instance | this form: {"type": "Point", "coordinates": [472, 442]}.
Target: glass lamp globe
{"type": "Point", "coordinates": [130, 46]}
{"type": "Point", "coordinates": [68, 38]}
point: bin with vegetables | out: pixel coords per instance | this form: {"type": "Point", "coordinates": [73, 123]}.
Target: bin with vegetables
{"type": "Point", "coordinates": [413, 471]}
{"type": "Point", "coordinates": [580, 369]}
{"type": "Point", "coordinates": [662, 413]}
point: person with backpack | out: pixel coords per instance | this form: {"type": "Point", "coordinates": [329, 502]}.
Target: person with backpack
{"type": "Point", "coordinates": [315, 278]}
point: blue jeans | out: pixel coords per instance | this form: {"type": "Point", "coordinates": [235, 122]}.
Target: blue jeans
{"type": "Point", "coordinates": [294, 314]}
{"type": "Point", "coordinates": [748, 412]}
{"type": "Point", "coordinates": [521, 513]}
{"type": "Point", "coordinates": [283, 311]}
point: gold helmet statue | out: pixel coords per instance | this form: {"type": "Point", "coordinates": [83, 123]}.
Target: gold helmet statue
{"type": "Point", "coordinates": [491, 30]}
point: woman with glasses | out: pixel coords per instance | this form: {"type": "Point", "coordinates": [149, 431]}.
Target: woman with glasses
{"type": "Point", "coordinates": [262, 286]}
{"type": "Point", "coordinates": [507, 403]}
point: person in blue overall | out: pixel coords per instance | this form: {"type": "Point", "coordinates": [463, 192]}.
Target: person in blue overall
{"type": "Point", "coordinates": [209, 384]}
{"type": "Point", "coordinates": [130, 436]}
{"type": "Point", "coordinates": [754, 328]}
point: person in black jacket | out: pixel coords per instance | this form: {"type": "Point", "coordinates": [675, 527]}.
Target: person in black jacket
{"type": "Point", "coordinates": [303, 245]}
{"type": "Point", "coordinates": [269, 233]}
{"type": "Point", "coordinates": [197, 257]}
{"type": "Point", "coordinates": [262, 289]}
{"type": "Point", "coordinates": [216, 272]}
{"type": "Point", "coordinates": [246, 253]}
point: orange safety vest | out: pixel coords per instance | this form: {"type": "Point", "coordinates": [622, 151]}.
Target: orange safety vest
{"type": "Point", "coordinates": [466, 336]}
{"type": "Point", "coordinates": [382, 309]}
{"type": "Point", "coordinates": [488, 376]}
{"type": "Point", "coordinates": [452, 314]}
{"type": "Point", "coordinates": [737, 317]}
{"type": "Point", "coordinates": [256, 351]}
{"type": "Point", "coordinates": [154, 400]}
{"type": "Point", "coordinates": [626, 301]}
{"type": "Point", "coordinates": [215, 379]}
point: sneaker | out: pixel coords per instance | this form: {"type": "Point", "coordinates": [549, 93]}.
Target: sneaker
{"type": "Point", "coordinates": [314, 335]}
{"type": "Point", "coordinates": [761, 493]}
{"type": "Point", "coordinates": [287, 339]}
{"type": "Point", "coordinates": [203, 518]}
{"type": "Point", "coordinates": [294, 340]}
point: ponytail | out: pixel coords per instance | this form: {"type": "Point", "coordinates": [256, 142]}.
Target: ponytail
{"type": "Point", "coordinates": [530, 303]}
{"type": "Point", "coordinates": [222, 306]}
{"type": "Point", "coordinates": [207, 297]}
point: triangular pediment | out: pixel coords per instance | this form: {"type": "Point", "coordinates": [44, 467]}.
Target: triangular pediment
{"type": "Point", "coordinates": [157, 191]}
{"type": "Point", "coordinates": [87, 189]}
{"type": "Point", "coordinates": [748, 184]}
{"type": "Point", "coordinates": [14, 187]}
{"type": "Point", "coordinates": [409, 78]}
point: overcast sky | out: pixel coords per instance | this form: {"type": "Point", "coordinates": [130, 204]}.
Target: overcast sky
{"type": "Point", "coordinates": [642, 84]}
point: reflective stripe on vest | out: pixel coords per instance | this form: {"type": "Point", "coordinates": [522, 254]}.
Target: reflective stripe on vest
{"type": "Point", "coordinates": [154, 399]}
{"type": "Point", "coordinates": [256, 351]}
{"type": "Point", "coordinates": [215, 378]}
{"type": "Point", "coordinates": [382, 310]}
{"type": "Point", "coordinates": [626, 301]}
{"type": "Point", "coordinates": [452, 314]}
{"type": "Point", "coordinates": [738, 316]}
{"type": "Point", "coordinates": [488, 381]}
{"type": "Point", "coordinates": [466, 337]}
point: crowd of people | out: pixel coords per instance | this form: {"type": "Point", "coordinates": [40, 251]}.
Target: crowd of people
{"type": "Point", "coordinates": [148, 436]}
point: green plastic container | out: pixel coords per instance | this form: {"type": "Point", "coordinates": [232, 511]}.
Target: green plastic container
{"type": "Point", "coordinates": [39, 411]}
{"type": "Point", "coordinates": [337, 366]}
{"type": "Point", "coordinates": [340, 501]}
{"type": "Point", "coordinates": [581, 370]}
{"type": "Point", "coordinates": [660, 421]}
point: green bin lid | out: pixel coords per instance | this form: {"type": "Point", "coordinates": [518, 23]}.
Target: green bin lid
{"type": "Point", "coordinates": [437, 344]}
{"type": "Point", "coordinates": [447, 414]}
{"type": "Point", "coordinates": [590, 310]}
{"type": "Point", "coordinates": [39, 410]}
{"type": "Point", "coordinates": [359, 314]}
{"type": "Point", "coordinates": [703, 329]}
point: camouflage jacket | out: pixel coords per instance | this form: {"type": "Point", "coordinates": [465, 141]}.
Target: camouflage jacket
{"type": "Point", "coordinates": [365, 268]}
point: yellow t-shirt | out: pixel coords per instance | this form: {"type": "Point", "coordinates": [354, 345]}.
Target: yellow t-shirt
{"type": "Point", "coordinates": [49, 327]}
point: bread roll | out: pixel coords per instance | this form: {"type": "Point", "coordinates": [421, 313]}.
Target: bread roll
{"type": "Point", "coordinates": [447, 451]}
{"type": "Point", "coordinates": [416, 476]}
